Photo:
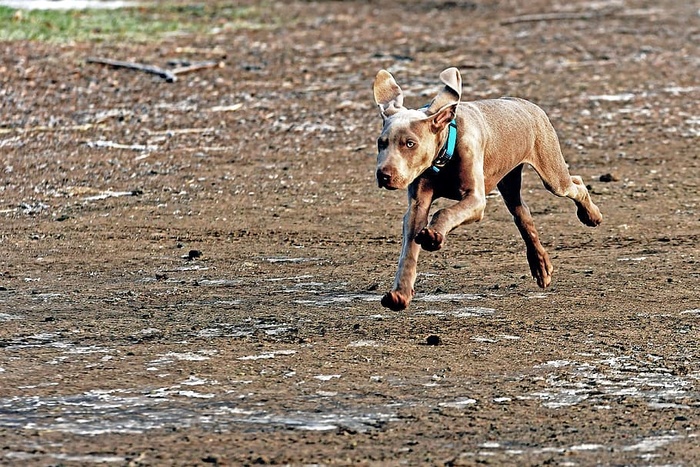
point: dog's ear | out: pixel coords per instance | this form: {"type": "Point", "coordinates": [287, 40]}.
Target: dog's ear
{"type": "Point", "coordinates": [443, 117]}
{"type": "Point", "coordinates": [387, 94]}
{"type": "Point", "coordinates": [450, 94]}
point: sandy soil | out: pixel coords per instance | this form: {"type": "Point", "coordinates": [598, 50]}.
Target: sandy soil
{"type": "Point", "coordinates": [191, 271]}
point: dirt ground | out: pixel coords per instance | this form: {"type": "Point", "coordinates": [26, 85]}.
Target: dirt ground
{"type": "Point", "coordinates": [191, 271]}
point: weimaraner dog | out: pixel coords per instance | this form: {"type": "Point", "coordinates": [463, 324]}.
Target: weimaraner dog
{"type": "Point", "coordinates": [462, 151]}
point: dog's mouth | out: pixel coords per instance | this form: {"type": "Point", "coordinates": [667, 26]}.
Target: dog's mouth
{"type": "Point", "coordinates": [386, 185]}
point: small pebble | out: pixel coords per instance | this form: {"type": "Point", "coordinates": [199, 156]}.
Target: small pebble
{"type": "Point", "coordinates": [609, 178]}
{"type": "Point", "coordinates": [192, 254]}
{"type": "Point", "coordinates": [433, 340]}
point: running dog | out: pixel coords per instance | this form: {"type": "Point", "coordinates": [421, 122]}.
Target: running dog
{"type": "Point", "coordinates": [462, 151]}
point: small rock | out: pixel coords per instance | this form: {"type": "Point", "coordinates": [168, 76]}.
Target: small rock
{"type": "Point", "coordinates": [193, 254]}
{"type": "Point", "coordinates": [609, 178]}
{"type": "Point", "coordinates": [433, 340]}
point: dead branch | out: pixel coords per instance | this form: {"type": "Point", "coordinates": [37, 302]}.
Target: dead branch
{"type": "Point", "coordinates": [43, 128]}
{"type": "Point", "coordinates": [585, 15]}
{"type": "Point", "coordinates": [179, 131]}
{"type": "Point", "coordinates": [226, 108]}
{"type": "Point", "coordinates": [195, 67]}
{"type": "Point", "coordinates": [168, 76]}
{"type": "Point", "coordinates": [113, 145]}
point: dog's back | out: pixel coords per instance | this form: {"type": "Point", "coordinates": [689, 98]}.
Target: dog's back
{"type": "Point", "coordinates": [509, 130]}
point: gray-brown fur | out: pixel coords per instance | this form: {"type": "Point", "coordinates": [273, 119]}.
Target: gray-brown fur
{"type": "Point", "coordinates": [496, 138]}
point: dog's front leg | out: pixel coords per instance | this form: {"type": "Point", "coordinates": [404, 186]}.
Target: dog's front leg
{"type": "Point", "coordinates": [469, 209]}
{"type": "Point", "coordinates": [415, 219]}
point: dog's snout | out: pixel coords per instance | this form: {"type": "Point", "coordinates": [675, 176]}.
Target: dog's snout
{"type": "Point", "coordinates": [384, 178]}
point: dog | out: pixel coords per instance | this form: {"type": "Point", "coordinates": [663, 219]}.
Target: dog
{"type": "Point", "coordinates": [462, 151]}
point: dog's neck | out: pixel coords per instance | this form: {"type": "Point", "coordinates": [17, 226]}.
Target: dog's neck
{"type": "Point", "coordinates": [447, 151]}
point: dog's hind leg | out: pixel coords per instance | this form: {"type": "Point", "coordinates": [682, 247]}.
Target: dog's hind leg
{"type": "Point", "coordinates": [538, 259]}
{"type": "Point", "coordinates": [552, 169]}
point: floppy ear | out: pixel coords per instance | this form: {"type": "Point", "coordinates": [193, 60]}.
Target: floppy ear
{"type": "Point", "coordinates": [450, 94]}
{"type": "Point", "coordinates": [387, 94]}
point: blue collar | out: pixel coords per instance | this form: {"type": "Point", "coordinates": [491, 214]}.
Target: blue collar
{"type": "Point", "coordinates": [448, 150]}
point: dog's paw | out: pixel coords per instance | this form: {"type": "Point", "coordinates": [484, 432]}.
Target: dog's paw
{"type": "Point", "coordinates": [429, 239]}
{"type": "Point", "coordinates": [395, 301]}
{"type": "Point", "coordinates": [543, 277]}
{"type": "Point", "coordinates": [590, 216]}
{"type": "Point", "coordinates": [540, 267]}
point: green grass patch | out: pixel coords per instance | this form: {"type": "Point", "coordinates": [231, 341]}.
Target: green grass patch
{"type": "Point", "coordinates": [142, 23]}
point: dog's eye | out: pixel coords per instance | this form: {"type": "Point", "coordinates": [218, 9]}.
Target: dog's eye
{"type": "Point", "coordinates": [382, 144]}
{"type": "Point", "coordinates": [410, 143]}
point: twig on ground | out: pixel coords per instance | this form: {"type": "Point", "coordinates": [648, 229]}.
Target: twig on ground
{"type": "Point", "coordinates": [179, 131]}
{"type": "Point", "coordinates": [44, 128]}
{"type": "Point", "coordinates": [195, 67]}
{"type": "Point", "coordinates": [584, 15]}
{"type": "Point", "coordinates": [167, 75]}
{"type": "Point", "coordinates": [206, 149]}
{"type": "Point", "coordinates": [226, 108]}
{"type": "Point", "coordinates": [113, 145]}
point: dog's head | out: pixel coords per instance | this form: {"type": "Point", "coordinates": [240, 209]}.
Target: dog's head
{"type": "Point", "coordinates": [410, 138]}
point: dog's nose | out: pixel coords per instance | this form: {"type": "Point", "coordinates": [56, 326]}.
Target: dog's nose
{"type": "Point", "coordinates": [383, 178]}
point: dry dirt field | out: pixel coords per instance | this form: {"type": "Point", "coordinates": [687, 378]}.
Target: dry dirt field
{"type": "Point", "coordinates": [191, 271]}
